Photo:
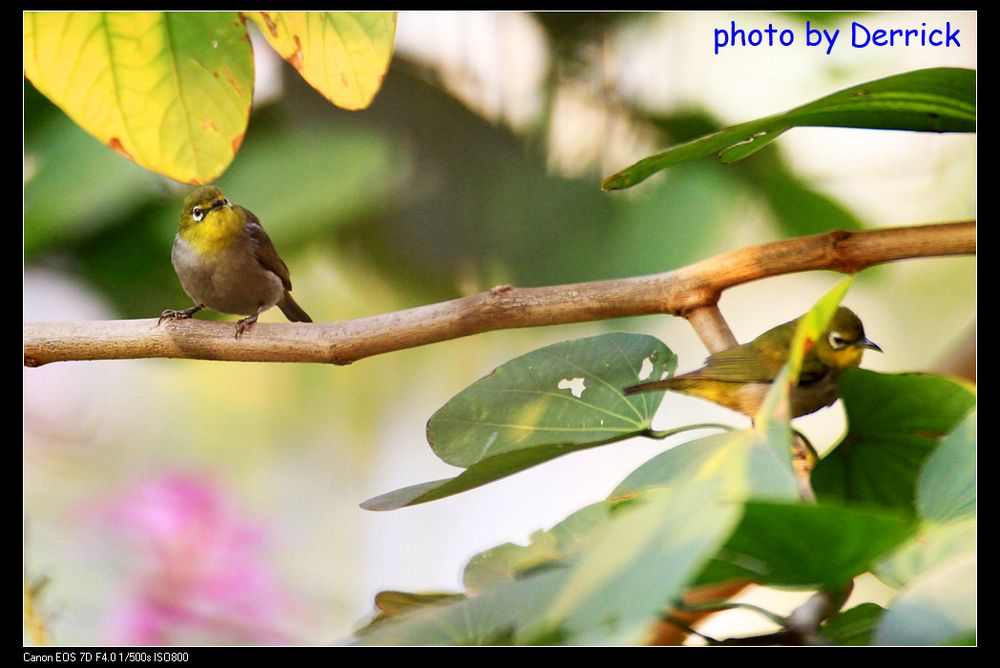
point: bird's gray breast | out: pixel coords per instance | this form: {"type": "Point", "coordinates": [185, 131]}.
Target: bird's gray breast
{"type": "Point", "coordinates": [230, 280]}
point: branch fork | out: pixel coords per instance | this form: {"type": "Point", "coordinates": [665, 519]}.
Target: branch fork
{"type": "Point", "coordinates": [691, 292]}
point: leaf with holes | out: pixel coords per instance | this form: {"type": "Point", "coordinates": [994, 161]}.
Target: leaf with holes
{"type": "Point", "coordinates": [169, 90]}
{"type": "Point", "coordinates": [545, 404]}
{"type": "Point", "coordinates": [343, 55]}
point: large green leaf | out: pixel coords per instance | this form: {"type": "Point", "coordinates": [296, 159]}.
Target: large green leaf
{"type": "Point", "coordinates": [753, 466]}
{"type": "Point", "coordinates": [946, 489]}
{"type": "Point", "coordinates": [547, 403]}
{"type": "Point", "coordinates": [343, 55]}
{"type": "Point", "coordinates": [169, 90]}
{"type": "Point", "coordinates": [602, 575]}
{"type": "Point", "coordinates": [894, 422]}
{"type": "Point", "coordinates": [640, 562]}
{"type": "Point", "coordinates": [796, 544]}
{"type": "Point", "coordinates": [568, 392]}
{"type": "Point", "coordinates": [933, 545]}
{"type": "Point", "coordinates": [938, 608]}
{"type": "Point", "coordinates": [941, 99]}
{"type": "Point", "coordinates": [556, 546]}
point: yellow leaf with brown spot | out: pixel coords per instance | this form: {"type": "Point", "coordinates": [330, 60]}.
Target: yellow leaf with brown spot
{"type": "Point", "coordinates": [169, 90]}
{"type": "Point", "coordinates": [343, 55]}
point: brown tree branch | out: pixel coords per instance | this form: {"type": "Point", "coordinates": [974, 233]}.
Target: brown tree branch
{"type": "Point", "coordinates": [712, 328]}
{"type": "Point", "coordinates": [691, 292]}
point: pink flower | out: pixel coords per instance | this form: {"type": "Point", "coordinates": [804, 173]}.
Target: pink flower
{"type": "Point", "coordinates": [197, 574]}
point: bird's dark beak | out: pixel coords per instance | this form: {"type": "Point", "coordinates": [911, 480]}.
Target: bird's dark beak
{"type": "Point", "coordinates": [218, 203]}
{"type": "Point", "coordinates": [868, 343]}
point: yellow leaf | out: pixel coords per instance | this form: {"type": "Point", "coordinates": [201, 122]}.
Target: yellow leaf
{"type": "Point", "coordinates": [169, 90]}
{"type": "Point", "coordinates": [343, 55]}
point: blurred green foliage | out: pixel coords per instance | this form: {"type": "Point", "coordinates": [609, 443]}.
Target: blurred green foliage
{"type": "Point", "coordinates": [436, 198]}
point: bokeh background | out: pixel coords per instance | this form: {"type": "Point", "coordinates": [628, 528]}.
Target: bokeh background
{"type": "Point", "coordinates": [188, 502]}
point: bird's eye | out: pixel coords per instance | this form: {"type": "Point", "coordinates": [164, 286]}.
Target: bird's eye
{"type": "Point", "coordinates": [197, 213]}
{"type": "Point", "coordinates": [837, 341]}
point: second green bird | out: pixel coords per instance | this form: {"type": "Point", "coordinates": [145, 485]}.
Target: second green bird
{"type": "Point", "coordinates": [740, 378]}
{"type": "Point", "coordinates": [226, 262]}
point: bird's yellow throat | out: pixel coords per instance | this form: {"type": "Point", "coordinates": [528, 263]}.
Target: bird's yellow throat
{"type": "Point", "coordinates": [216, 232]}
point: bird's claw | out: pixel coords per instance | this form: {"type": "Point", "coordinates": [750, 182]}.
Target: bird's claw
{"type": "Point", "coordinates": [182, 314]}
{"type": "Point", "coordinates": [244, 324]}
{"type": "Point", "coordinates": [171, 314]}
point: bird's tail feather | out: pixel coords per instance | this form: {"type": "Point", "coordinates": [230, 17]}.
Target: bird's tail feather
{"type": "Point", "coordinates": [654, 386]}
{"type": "Point", "coordinates": [292, 310]}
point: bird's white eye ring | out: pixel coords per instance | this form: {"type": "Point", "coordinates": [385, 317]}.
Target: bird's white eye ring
{"type": "Point", "coordinates": [837, 342]}
{"type": "Point", "coordinates": [197, 213]}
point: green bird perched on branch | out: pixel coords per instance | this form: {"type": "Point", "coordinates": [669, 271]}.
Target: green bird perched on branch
{"type": "Point", "coordinates": [226, 262]}
{"type": "Point", "coordinates": [740, 378]}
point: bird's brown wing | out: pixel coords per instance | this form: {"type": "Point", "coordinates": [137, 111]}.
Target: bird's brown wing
{"type": "Point", "coordinates": [755, 362]}
{"type": "Point", "coordinates": [760, 361]}
{"type": "Point", "coordinates": [267, 254]}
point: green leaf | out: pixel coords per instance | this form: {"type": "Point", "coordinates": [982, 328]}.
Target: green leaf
{"type": "Point", "coordinates": [545, 404]}
{"type": "Point", "coordinates": [794, 544]}
{"type": "Point", "coordinates": [749, 146]}
{"type": "Point", "coordinates": [169, 90]}
{"type": "Point", "coordinates": [750, 465]}
{"type": "Point", "coordinates": [937, 608]}
{"type": "Point", "coordinates": [490, 618]}
{"type": "Point", "coordinates": [602, 575]}
{"type": "Point", "coordinates": [343, 55]}
{"type": "Point", "coordinates": [894, 422]}
{"type": "Point", "coordinates": [643, 559]}
{"type": "Point", "coordinates": [510, 561]}
{"type": "Point", "coordinates": [932, 546]}
{"type": "Point", "coordinates": [477, 475]}
{"type": "Point", "coordinates": [946, 489]}
{"type": "Point", "coordinates": [565, 393]}
{"type": "Point", "coordinates": [854, 626]}
{"type": "Point", "coordinates": [941, 99]}
{"type": "Point", "coordinates": [393, 604]}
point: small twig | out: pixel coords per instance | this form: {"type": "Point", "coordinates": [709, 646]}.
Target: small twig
{"type": "Point", "coordinates": [673, 621]}
{"type": "Point", "coordinates": [722, 606]}
{"type": "Point", "coordinates": [712, 328]}
{"type": "Point", "coordinates": [805, 620]}
{"type": "Point", "coordinates": [691, 291]}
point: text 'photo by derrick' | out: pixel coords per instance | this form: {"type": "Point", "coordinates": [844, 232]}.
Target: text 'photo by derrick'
{"type": "Point", "coordinates": [862, 36]}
